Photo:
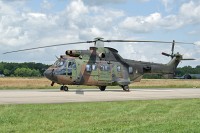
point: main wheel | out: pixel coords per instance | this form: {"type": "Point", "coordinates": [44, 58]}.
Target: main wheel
{"type": "Point", "coordinates": [125, 88]}
{"type": "Point", "coordinates": [61, 88]}
{"type": "Point", "coordinates": [65, 88]}
{"type": "Point", "coordinates": [102, 88]}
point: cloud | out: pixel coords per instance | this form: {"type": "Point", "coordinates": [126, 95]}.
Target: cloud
{"type": "Point", "coordinates": [190, 12]}
{"type": "Point", "coordinates": [46, 5]}
{"type": "Point", "coordinates": [153, 22]}
{"type": "Point", "coordinates": [141, 23]}
{"type": "Point", "coordinates": [197, 43]}
{"type": "Point", "coordinates": [103, 2]}
{"type": "Point", "coordinates": [169, 4]}
{"type": "Point", "coordinates": [76, 8]}
{"type": "Point", "coordinates": [156, 21]}
{"type": "Point", "coordinates": [22, 28]}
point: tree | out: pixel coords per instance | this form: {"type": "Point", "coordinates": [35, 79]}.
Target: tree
{"type": "Point", "coordinates": [1, 68]}
{"type": "Point", "coordinates": [6, 72]}
{"type": "Point", "coordinates": [35, 73]}
{"type": "Point", "coordinates": [23, 72]}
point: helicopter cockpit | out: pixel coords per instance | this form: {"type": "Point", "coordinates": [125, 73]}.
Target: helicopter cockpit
{"type": "Point", "coordinates": [64, 67]}
{"type": "Point", "coordinates": [59, 63]}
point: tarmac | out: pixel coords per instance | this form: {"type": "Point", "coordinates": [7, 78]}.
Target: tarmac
{"type": "Point", "coordinates": [38, 96]}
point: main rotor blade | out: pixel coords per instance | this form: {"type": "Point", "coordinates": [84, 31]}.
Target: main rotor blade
{"type": "Point", "coordinates": [188, 59]}
{"type": "Point", "coordinates": [145, 41]}
{"type": "Point", "coordinates": [47, 46]}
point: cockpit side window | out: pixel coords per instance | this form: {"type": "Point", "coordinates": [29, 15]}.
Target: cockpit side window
{"type": "Point", "coordinates": [69, 64]}
{"type": "Point", "coordinates": [73, 65]}
{"type": "Point", "coordinates": [59, 63]}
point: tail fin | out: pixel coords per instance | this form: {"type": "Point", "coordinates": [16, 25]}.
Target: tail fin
{"type": "Point", "coordinates": [175, 59]}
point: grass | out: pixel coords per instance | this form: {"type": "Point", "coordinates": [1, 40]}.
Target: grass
{"type": "Point", "coordinates": [130, 116]}
{"type": "Point", "coordinates": [167, 83]}
{"type": "Point", "coordinates": [43, 83]}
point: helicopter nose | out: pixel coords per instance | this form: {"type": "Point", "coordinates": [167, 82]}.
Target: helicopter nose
{"type": "Point", "coordinates": [48, 73]}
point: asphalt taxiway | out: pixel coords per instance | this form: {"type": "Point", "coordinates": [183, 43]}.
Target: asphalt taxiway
{"type": "Point", "coordinates": [92, 95]}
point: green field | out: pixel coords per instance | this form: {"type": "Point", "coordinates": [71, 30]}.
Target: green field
{"type": "Point", "coordinates": [130, 116]}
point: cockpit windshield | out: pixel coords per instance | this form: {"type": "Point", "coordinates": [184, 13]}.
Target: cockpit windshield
{"type": "Point", "coordinates": [60, 63]}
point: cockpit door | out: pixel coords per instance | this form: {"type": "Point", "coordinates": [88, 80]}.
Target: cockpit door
{"type": "Point", "coordinates": [72, 70]}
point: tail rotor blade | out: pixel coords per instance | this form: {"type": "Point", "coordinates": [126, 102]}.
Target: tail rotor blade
{"type": "Point", "coordinates": [173, 43]}
{"type": "Point", "coordinates": [165, 54]}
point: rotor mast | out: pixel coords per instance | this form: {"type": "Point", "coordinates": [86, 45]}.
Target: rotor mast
{"type": "Point", "coordinates": [98, 42]}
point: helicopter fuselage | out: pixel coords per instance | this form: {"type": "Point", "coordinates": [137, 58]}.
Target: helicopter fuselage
{"type": "Point", "coordinates": [101, 67]}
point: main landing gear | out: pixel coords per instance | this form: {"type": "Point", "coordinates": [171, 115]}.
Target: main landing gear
{"type": "Point", "coordinates": [64, 88]}
{"type": "Point", "coordinates": [125, 87]}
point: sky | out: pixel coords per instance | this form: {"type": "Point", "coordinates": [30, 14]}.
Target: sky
{"type": "Point", "coordinates": [34, 23]}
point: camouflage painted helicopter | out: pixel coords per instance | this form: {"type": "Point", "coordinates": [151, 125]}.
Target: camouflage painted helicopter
{"type": "Point", "coordinates": [103, 66]}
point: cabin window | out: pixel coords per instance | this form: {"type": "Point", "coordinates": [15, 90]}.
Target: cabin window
{"type": "Point", "coordinates": [102, 68]}
{"type": "Point", "coordinates": [88, 68]}
{"type": "Point", "coordinates": [130, 70]}
{"type": "Point", "coordinates": [94, 67]}
{"type": "Point", "coordinates": [118, 68]}
{"type": "Point", "coordinates": [107, 68]}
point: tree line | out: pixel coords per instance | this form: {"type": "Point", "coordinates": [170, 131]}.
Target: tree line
{"type": "Point", "coordinates": [27, 69]}
{"type": "Point", "coordinates": [180, 71]}
{"type": "Point", "coordinates": [187, 70]}
{"type": "Point", "coordinates": [32, 69]}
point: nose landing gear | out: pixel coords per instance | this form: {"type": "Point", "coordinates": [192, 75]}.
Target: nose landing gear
{"type": "Point", "coordinates": [64, 88]}
{"type": "Point", "coordinates": [102, 88]}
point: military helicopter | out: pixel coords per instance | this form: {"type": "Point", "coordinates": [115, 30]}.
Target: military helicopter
{"type": "Point", "coordinates": [102, 66]}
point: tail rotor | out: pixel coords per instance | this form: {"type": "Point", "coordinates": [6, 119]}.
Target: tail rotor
{"type": "Point", "coordinates": [177, 55]}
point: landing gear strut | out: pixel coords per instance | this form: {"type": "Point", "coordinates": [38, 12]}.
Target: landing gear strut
{"type": "Point", "coordinates": [52, 83]}
{"type": "Point", "coordinates": [102, 88]}
{"type": "Point", "coordinates": [125, 87]}
{"type": "Point", "coordinates": [64, 88]}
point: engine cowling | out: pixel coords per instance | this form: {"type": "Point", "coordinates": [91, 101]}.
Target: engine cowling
{"type": "Point", "coordinates": [102, 55]}
{"type": "Point", "coordinates": [74, 53]}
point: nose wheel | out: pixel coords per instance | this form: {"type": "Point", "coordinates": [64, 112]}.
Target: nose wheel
{"type": "Point", "coordinates": [64, 88]}
{"type": "Point", "coordinates": [102, 88]}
